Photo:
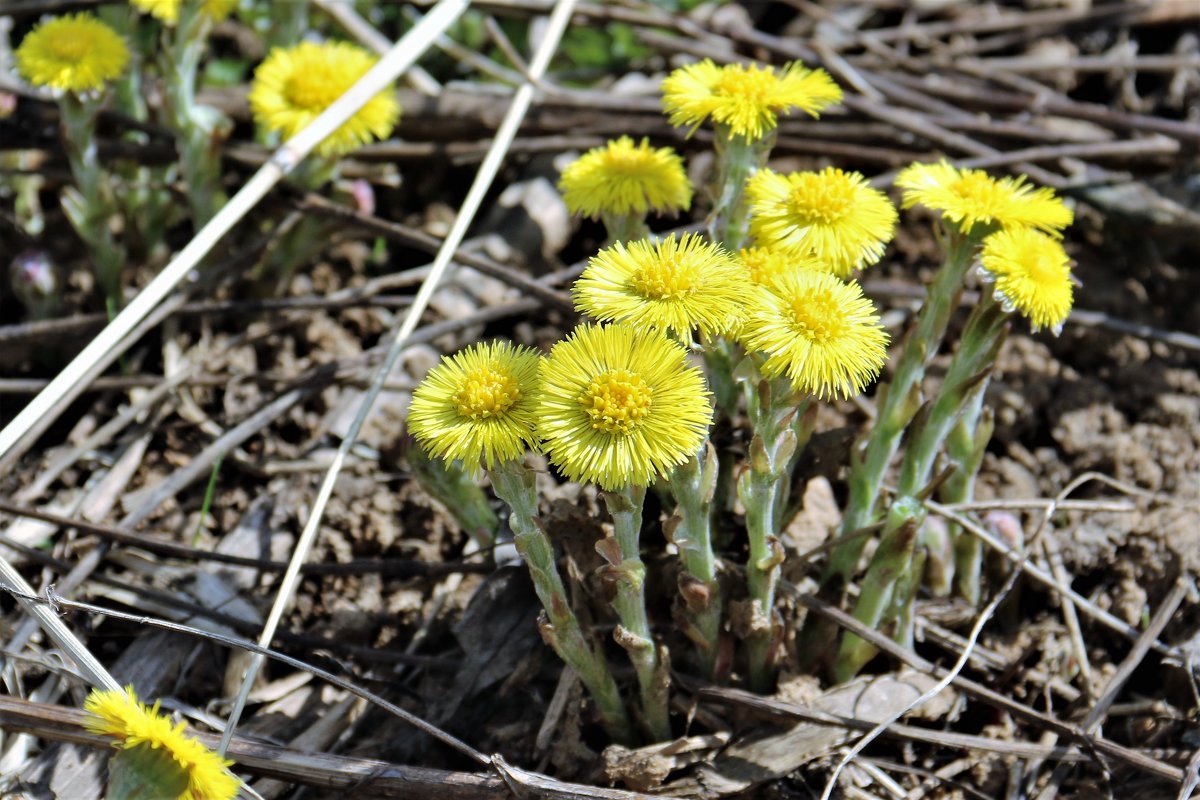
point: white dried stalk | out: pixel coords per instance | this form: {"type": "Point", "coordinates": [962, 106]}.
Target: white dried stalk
{"type": "Point", "coordinates": [112, 341]}
{"type": "Point", "coordinates": [507, 131]}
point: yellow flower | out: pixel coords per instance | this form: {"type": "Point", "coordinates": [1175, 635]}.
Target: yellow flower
{"type": "Point", "coordinates": [832, 215]}
{"type": "Point", "coordinates": [620, 405]}
{"type": "Point", "coordinates": [76, 53]}
{"type": "Point", "coordinates": [764, 264]}
{"type": "Point", "coordinates": [970, 197]}
{"type": "Point", "coordinates": [672, 284]}
{"type": "Point", "coordinates": [745, 98]}
{"type": "Point", "coordinates": [478, 405]}
{"type": "Point", "coordinates": [119, 714]}
{"type": "Point", "coordinates": [1032, 274]}
{"type": "Point", "coordinates": [167, 11]}
{"type": "Point", "coordinates": [293, 86]}
{"type": "Point", "coordinates": [820, 332]}
{"type": "Point", "coordinates": [624, 178]}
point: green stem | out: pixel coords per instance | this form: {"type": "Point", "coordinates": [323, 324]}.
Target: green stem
{"type": "Point", "coordinates": [888, 575]}
{"type": "Point", "coordinates": [888, 565]}
{"type": "Point", "coordinates": [514, 484]}
{"type": "Point", "coordinates": [626, 227]}
{"type": "Point", "coordinates": [91, 205]}
{"type": "Point", "coordinates": [896, 404]}
{"type": "Point", "coordinates": [450, 485]}
{"type": "Point", "coordinates": [737, 161]}
{"type": "Point", "coordinates": [694, 484]}
{"type": "Point", "coordinates": [197, 128]}
{"type": "Point", "coordinates": [965, 448]}
{"type": "Point", "coordinates": [634, 633]}
{"type": "Point", "coordinates": [762, 489]}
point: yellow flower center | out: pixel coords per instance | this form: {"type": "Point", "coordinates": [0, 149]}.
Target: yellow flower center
{"type": "Point", "coordinates": [617, 401]}
{"type": "Point", "coordinates": [313, 89]}
{"type": "Point", "coordinates": [1042, 267]}
{"type": "Point", "coordinates": [666, 278]}
{"type": "Point", "coordinates": [749, 85]}
{"type": "Point", "coordinates": [626, 163]}
{"type": "Point", "coordinates": [824, 197]}
{"type": "Point", "coordinates": [71, 46]}
{"type": "Point", "coordinates": [978, 191]}
{"type": "Point", "coordinates": [486, 392]}
{"type": "Point", "coordinates": [818, 317]}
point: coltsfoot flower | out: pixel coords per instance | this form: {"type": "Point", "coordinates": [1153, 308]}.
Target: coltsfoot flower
{"type": "Point", "coordinates": [74, 53]}
{"type": "Point", "coordinates": [625, 178]}
{"type": "Point", "coordinates": [167, 11]}
{"type": "Point", "coordinates": [478, 405]}
{"type": "Point", "coordinates": [139, 730]}
{"type": "Point", "coordinates": [970, 197]}
{"type": "Point", "coordinates": [746, 98]}
{"type": "Point", "coordinates": [819, 331]}
{"type": "Point", "coordinates": [674, 284]}
{"type": "Point", "coordinates": [620, 405]}
{"type": "Point", "coordinates": [293, 86]}
{"type": "Point", "coordinates": [763, 265]}
{"type": "Point", "coordinates": [1031, 273]}
{"type": "Point", "coordinates": [832, 215]}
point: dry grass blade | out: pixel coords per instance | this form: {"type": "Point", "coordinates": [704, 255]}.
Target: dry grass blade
{"type": "Point", "coordinates": [559, 19]}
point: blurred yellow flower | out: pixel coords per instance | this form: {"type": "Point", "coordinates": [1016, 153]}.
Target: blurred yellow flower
{"type": "Point", "coordinates": [620, 405]}
{"type": "Point", "coordinates": [673, 284]}
{"type": "Point", "coordinates": [137, 727]}
{"type": "Point", "coordinates": [1031, 274]}
{"type": "Point", "coordinates": [76, 53]}
{"type": "Point", "coordinates": [819, 331]}
{"type": "Point", "coordinates": [626, 178]}
{"type": "Point", "coordinates": [477, 406]}
{"type": "Point", "coordinates": [167, 11]}
{"type": "Point", "coordinates": [970, 197]}
{"type": "Point", "coordinates": [832, 215]}
{"type": "Point", "coordinates": [746, 98]}
{"type": "Point", "coordinates": [293, 86]}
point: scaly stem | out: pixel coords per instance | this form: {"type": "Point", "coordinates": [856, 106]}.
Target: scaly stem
{"type": "Point", "coordinates": [625, 227]}
{"type": "Point", "coordinates": [451, 486]}
{"type": "Point", "coordinates": [762, 488]}
{"type": "Point", "coordinates": [633, 633]}
{"type": "Point", "coordinates": [198, 129]}
{"type": "Point", "coordinates": [888, 576]}
{"type": "Point", "coordinates": [694, 483]}
{"type": "Point", "coordinates": [890, 561]}
{"type": "Point", "coordinates": [90, 204]}
{"type": "Point", "coordinates": [965, 447]}
{"type": "Point", "coordinates": [514, 484]}
{"type": "Point", "coordinates": [737, 161]}
{"type": "Point", "coordinates": [897, 403]}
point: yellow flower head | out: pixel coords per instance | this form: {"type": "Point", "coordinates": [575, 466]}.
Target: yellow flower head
{"type": "Point", "coordinates": [832, 215]}
{"type": "Point", "coordinates": [293, 86]}
{"type": "Point", "coordinates": [970, 197]}
{"type": "Point", "coordinates": [167, 11]}
{"type": "Point", "coordinates": [478, 405]}
{"type": "Point", "coordinates": [819, 331]}
{"type": "Point", "coordinates": [620, 405]}
{"type": "Point", "coordinates": [746, 99]}
{"type": "Point", "coordinates": [1032, 274]}
{"type": "Point", "coordinates": [763, 265]}
{"type": "Point", "coordinates": [626, 178]}
{"type": "Point", "coordinates": [76, 53]}
{"type": "Point", "coordinates": [672, 284]}
{"type": "Point", "coordinates": [119, 714]}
